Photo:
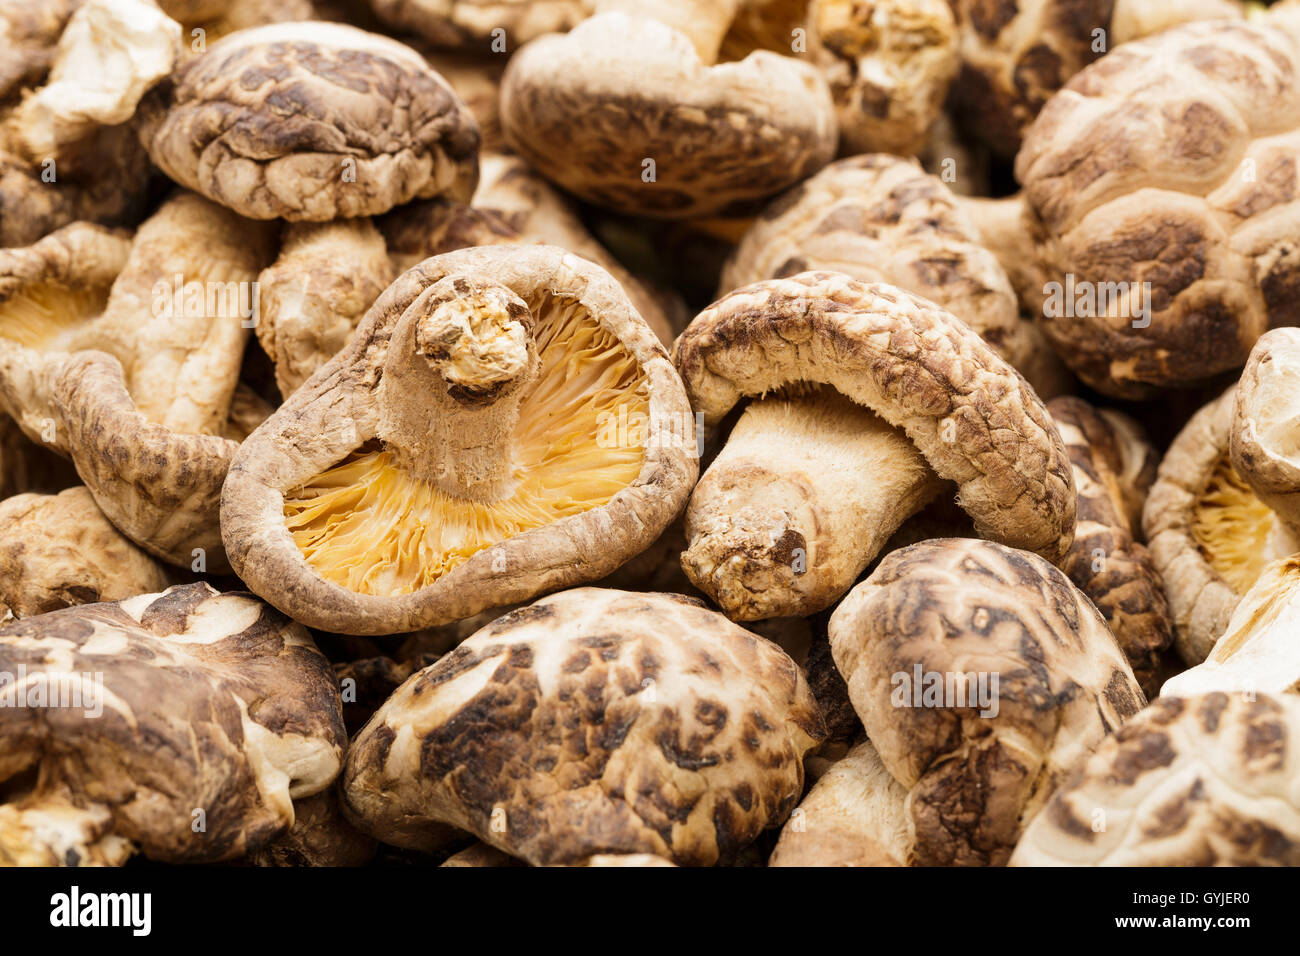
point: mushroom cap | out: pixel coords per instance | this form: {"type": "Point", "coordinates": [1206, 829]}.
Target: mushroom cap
{"type": "Point", "coordinates": [29, 35]}
{"type": "Point", "coordinates": [881, 218]}
{"type": "Point", "coordinates": [972, 416]}
{"type": "Point", "coordinates": [589, 109]}
{"type": "Point", "coordinates": [1106, 561]}
{"type": "Point", "coordinates": [1015, 56]}
{"type": "Point", "coordinates": [977, 765]}
{"type": "Point", "coordinates": [1258, 650]}
{"type": "Point", "coordinates": [473, 24]}
{"type": "Point", "coordinates": [312, 122]}
{"type": "Point", "coordinates": [57, 551]}
{"type": "Point", "coordinates": [1199, 781]}
{"type": "Point", "coordinates": [1265, 436]}
{"type": "Point", "coordinates": [1209, 535]}
{"type": "Point", "coordinates": [604, 722]}
{"type": "Point", "coordinates": [209, 701]}
{"type": "Point", "coordinates": [1171, 161]}
{"type": "Point", "coordinates": [320, 836]}
{"type": "Point", "coordinates": [337, 412]}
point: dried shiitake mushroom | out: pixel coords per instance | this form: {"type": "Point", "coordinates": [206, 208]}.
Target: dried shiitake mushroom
{"type": "Point", "coordinates": [311, 122]}
{"type": "Point", "coordinates": [29, 36]}
{"type": "Point", "coordinates": [867, 398]}
{"type": "Point", "coordinates": [135, 383]}
{"type": "Point", "coordinates": [605, 722]}
{"type": "Point", "coordinates": [1114, 467]}
{"type": "Point", "coordinates": [206, 21]}
{"type": "Point", "coordinates": [58, 551]}
{"type": "Point", "coordinates": [889, 64]}
{"type": "Point", "coordinates": [981, 675]}
{"type": "Point", "coordinates": [142, 718]}
{"type": "Point", "coordinates": [853, 816]}
{"type": "Point", "coordinates": [1162, 183]}
{"type": "Point", "coordinates": [313, 296]}
{"type": "Point", "coordinates": [629, 111]}
{"type": "Point", "coordinates": [475, 25]}
{"type": "Point", "coordinates": [1198, 781]}
{"type": "Point", "coordinates": [501, 424]}
{"type": "Point", "coordinates": [1265, 436]}
{"type": "Point", "coordinates": [1209, 535]}
{"type": "Point", "coordinates": [1258, 650]}
{"type": "Point", "coordinates": [880, 218]}
{"type": "Point", "coordinates": [320, 836]}
{"type": "Point", "coordinates": [477, 81]}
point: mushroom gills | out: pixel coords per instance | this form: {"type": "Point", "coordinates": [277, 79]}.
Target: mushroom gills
{"type": "Point", "coordinates": [1235, 531]}
{"type": "Point", "coordinates": [48, 316]}
{"type": "Point", "coordinates": [808, 489]}
{"type": "Point", "coordinates": [375, 527]}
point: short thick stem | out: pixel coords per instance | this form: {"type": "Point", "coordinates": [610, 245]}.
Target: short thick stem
{"type": "Point", "coordinates": [457, 366]}
{"type": "Point", "coordinates": [798, 503]}
{"type": "Point", "coordinates": [704, 22]}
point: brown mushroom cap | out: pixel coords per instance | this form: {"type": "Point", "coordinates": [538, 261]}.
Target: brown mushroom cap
{"type": "Point", "coordinates": [592, 108]}
{"type": "Point", "coordinates": [881, 218]}
{"type": "Point", "coordinates": [1121, 196]}
{"type": "Point", "coordinates": [320, 836]}
{"type": "Point", "coordinates": [1106, 561]}
{"type": "Point", "coordinates": [369, 125]}
{"type": "Point", "coordinates": [57, 551]}
{"type": "Point", "coordinates": [913, 364]}
{"type": "Point", "coordinates": [210, 702]}
{"type": "Point", "coordinates": [919, 644]}
{"type": "Point", "coordinates": [460, 454]}
{"type": "Point", "coordinates": [615, 723]}
{"type": "Point", "coordinates": [1265, 436]}
{"type": "Point", "coordinates": [1209, 535]}
{"type": "Point", "coordinates": [316, 292]}
{"type": "Point", "coordinates": [1200, 781]}
{"type": "Point", "coordinates": [472, 24]}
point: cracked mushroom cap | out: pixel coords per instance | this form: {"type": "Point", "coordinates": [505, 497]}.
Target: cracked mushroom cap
{"type": "Point", "coordinates": [893, 385]}
{"type": "Point", "coordinates": [1265, 437]}
{"type": "Point", "coordinates": [475, 24]}
{"type": "Point", "coordinates": [1209, 535]}
{"type": "Point", "coordinates": [172, 703]}
{"type": "Point", "coordinates": [311, 122]}
{"type": "Point", "coordinates": [502, 424]}
{"type": "Point", "coordinates": [1199, 781]}
{"type": "Point", "coordinates": [591, 722]}
{"type": "Point", "coordinates": [57, 551]}
{"type": "Point", "coordinates": [136, 381]}
{"type": "Point", "coordinates": [880, 218]}
{"type": "Point", "coordinates": [623, 111]}
{"type": "Point", "coordinates": [316, 292]}
{"type": "Point", "coordinates": [1162, 179]}
{"type": "Point", "coordinates": [981, 675]}
{"type": "Point", "coordinates": [1258, 651]}
{"type": "Point", "coordinates": [1107, 562]}
{"type": "Point", "coordinates": [889, 64]}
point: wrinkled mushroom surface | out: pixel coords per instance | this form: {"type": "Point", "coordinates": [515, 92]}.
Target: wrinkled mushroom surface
{"type": "Point", "coordinates": [1265, 436]}
{"type": "Point", "coordinates": [613, 723]}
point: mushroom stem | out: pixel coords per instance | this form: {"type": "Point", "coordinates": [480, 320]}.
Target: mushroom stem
{"type": "Point", "coordinates": [457, 368]}
{"type": "Point", "coordinates": [704, 22]}
{"type": "Point", "coordinates": [798, 503]}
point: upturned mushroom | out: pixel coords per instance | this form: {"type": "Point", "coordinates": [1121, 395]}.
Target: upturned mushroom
{"type": "Point", "coordinates": [1258, 651]}
{"type": "Point", "coordinates": [881, 218]}
{"type": "Point", "coordinates": [502, 424]}
{"type": "Point", "coordinates": [134, 377]}
{"type": "Point", "coordinates": [1209, 535]}
{"type": "Point", "coordinates": [605, 722]}
{"type": "Point", "coordinates": [316, 292]}
{"type": "Point", "coordinates": [1161, 182]}
{"type": "Point", "coordinates": [180, 725]}
{"type": "Point", "coordinates": [496, 27]}
{"type": "Point", "coordinates": [1114, 467]}
{"type": "Point", "coordinates": [982, 675]}
{"type": "Point", "coordinates": [867, 399]}
{"type": "Point", "coordinates": [1207, 780]}
{"type": "Point", "coordinates": [629, 111]}
{"type": "Point", "coordinates": [1265, 435]}
{"type": "Point", "coordinates": [311, 122]}
{"type": "Point", "coordinates": [58, 551]}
